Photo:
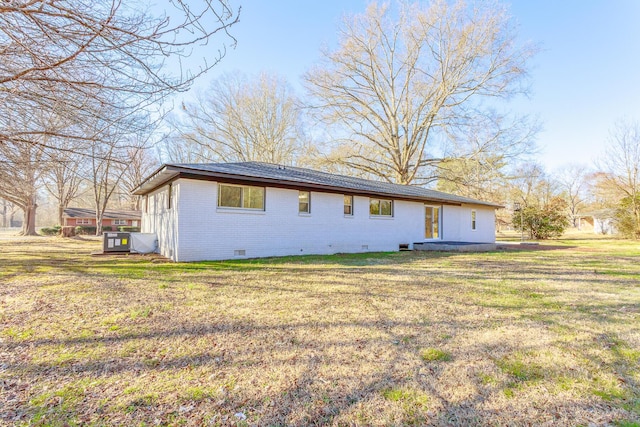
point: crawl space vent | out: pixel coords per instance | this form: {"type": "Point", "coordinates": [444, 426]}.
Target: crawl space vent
{"type": "Point", "coordinates": [239, 252]}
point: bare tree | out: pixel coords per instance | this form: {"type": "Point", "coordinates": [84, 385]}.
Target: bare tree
{"type": "Point", "coordinates": [122, 138]}
{"type": "Point", "coordinates": [23, 163]}
{"type": "Point", "coordinates": [399, 88]}
{"type": "Point", "coordinates": [177, 147]}
{"type": "Point", "coordinates": [242, 119]}
{"type": "Point", "coordinates": [8, 211]}
{"type": "Point", "coordinates": [600, 194]}
{"type": "Point", "coordinates": [75, 58]}
{"type": "Point", "coordinates": [531, 186]}
{"type": "Point", "coordinates": [572, 180]}
{"type": "Point", "coordinates": [481, 177]}
{"type": "Point", "coordinates": [139, 164]}
{"type": "Point", "coordinates": [63, 179]}
{"type": "Point", "coordinates": [21, 168]}
{"type": "Point", "coordinates": [53, 49]}
{"type": "Point", "coordinates": [621, 164]}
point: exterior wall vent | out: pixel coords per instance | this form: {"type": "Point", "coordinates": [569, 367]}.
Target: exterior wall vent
{"type": "Point", "coordinates": [365, 247]}
{"type": "Point", "coordinates": [239, 252]}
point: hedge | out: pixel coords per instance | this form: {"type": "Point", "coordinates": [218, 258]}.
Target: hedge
{"type": "Point", "coordinates": [51, 231]}
{"type": "Point", "coordinates": [86, 230]}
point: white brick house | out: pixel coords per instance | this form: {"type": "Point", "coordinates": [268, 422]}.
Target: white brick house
{"type": "Point", "coordinates": [247, 210]}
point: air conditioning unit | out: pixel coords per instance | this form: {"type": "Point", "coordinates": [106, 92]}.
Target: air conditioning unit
{"type": "Point", "coordinates": [117, 242]}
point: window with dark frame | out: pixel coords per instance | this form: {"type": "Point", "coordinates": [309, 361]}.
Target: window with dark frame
{"type": "Point", "coordinates": [473, 220]}
{"type": "Point", "coordinates": [170, 188]}
{"type": "Point", "coordinates": [380, 207]}
{"type": "Point", "coordinates": [348, 205]}
{"type": "Point", "coordinates": [240, 196]}
{"type": "Point", "coordinates": [304, 202]}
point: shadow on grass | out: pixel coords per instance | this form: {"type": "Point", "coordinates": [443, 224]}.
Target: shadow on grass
{"type": "Point", "coordinates": [311, 396]}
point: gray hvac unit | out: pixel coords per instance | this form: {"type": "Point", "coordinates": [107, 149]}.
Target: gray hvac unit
{"type": "Point", "coordinates": [117, 242]}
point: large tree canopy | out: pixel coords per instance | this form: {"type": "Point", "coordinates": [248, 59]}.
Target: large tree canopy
{"type": "Point", "coordinates": [407, 87]}
{"type": "Point", "coordinates": [240, 119]}
{"type": "Point", "coordinates": [621, 162]}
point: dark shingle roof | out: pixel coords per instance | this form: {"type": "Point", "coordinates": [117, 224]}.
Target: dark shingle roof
{"type": "Point", "coordinates": [277, 174]}
{"type": "Point", "coordinates": [108, 214]}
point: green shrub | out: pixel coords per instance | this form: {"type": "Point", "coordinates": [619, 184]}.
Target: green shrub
{"type": "Point", "coordinates": [51, 231]}
{"type": "Point", "coordinates": [542, 222]}
{"type": "Point", "coordinates": [107, 228]}
{"type": "Point", "coordinates": [627, 218]}
{"type": "Point", "coordinates": [85, 230]}
{"type": "Point", "coordinates": [129, 229]}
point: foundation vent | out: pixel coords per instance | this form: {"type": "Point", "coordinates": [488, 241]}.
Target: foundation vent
{"type": "Point", "coordinates": [239, 252]}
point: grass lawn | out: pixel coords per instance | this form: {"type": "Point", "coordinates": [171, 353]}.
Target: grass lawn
{"type": "Point", "coordinates": [512, 337]}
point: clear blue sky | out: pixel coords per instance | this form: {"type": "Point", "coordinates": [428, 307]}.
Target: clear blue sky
{"type": "Point", "coordinates": [586, 76]}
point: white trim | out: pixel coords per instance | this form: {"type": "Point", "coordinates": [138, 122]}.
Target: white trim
{"type": "Point", "coordinates": [380, 200]}
{"type": "Point", "coordinates": [350, 205]}
{"type": "Point", "coordinates": [242, 187]}
{"type": "Point", "coordinates": [434, 207]}
{"type": "Point", "coordinates": [308, 211]}
{"type": "Point", "coordinates": [245, 211]}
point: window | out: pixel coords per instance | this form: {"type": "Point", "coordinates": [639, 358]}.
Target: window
{"type": "Point", "coordinates": [473, 220]}
{"type": "Point", "coordinates": [240, 196]}
{"type": "Point", "coordinates": [380, 207]}
{"type": "Point", "coordinates": [304, 202]}
{"type": "Point", "coordinates": [119, 222]}
{"type": "Point", "coordinates": [83, 221]}
{"type": "Point", "coordinates": [169, 196]}
{"type": "Point", "coordinates": [348, 205]}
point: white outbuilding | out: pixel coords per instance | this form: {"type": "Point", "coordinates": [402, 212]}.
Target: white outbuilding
{"type": "Point", "coordinates": [220, 211]}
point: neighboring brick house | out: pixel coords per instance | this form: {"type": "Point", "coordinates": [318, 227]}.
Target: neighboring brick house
{"type": "Point", "coordinates": [246, 210]}
{"type": "Point", "coordinates": [111, 218]}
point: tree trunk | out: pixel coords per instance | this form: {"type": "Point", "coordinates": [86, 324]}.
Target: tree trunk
{"type": "Point", "coordinates": [4, 214]}
{"type": "Point", "coordinates": [60, 215]}
{"type": "Point", "coordinates": [636, 213]}
{"type": "Point", "coordinates": [99, 224]}
{"type": "Point", "coordinates": [29, 222]}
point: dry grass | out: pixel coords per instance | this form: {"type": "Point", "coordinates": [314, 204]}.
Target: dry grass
{"type": "Point", "coordinates": [504, 338]}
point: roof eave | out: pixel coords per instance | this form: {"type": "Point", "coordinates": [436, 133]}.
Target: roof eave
{"type": "Point", "coordinates": [163, 174]}
{"type": "Point", "coordinates": [169, 172]}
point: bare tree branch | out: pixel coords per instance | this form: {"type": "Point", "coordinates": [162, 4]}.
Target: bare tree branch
{"type": "Point", "coordinates": [241, 119]}
{"type": "Point", "coordinates": [405, 79]}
